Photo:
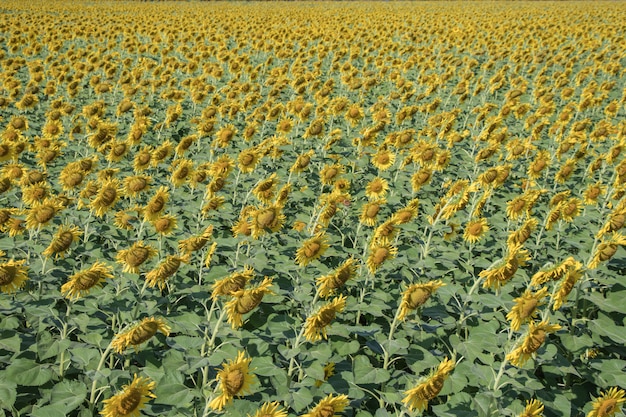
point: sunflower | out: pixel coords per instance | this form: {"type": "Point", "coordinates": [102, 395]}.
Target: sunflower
{"type": "Point", "coordinates": [139, 333]}
{"type": "Point", "coordinates": [503, 270]}
{"type": "Point", "coordinates": [62, 240]}
{"type": "Point", "coordinates": [521, 235]}
{"type": "Point", "coordinates": [315, 326]}
{"type": "Point", "coordinates": [525, 308]}
{"type": "Point", "coordinates": [156, 205]}
{"type": "Point", "coordinates": [225, 135]}
{"type": "Point", "coordinates": [122, 220]}
{"type": "Point", "coordinates": [475, 230]}
{"type": "Point", "coordinates": [272, 409]}
{"type": "Point", "coordinates": [42, 213]}
{"type": "Point", "coordinates": [161, 153]}
{"type": "Point", "coordinates": [554, 272]}
{"type": "Point", "coordinates": [315, 129]}
{"type": "Point", "coordinates": [182, 169]}
{"type": "Point", "coordinates": [143, 159]}
{"type": "Point", "coordinates": [566, 285]}
{"type": "Point", "coordinates": [534, 408]}
{"type": "Point", "coordinates": [608, 403]}
{"type": "Point", "coordinates": [302, 162]}
{"type": "Point", "coordinates": [606, 250]}
{"type": "Point", "coordinates": [354, 114]}
{"type": "Point", "coordinates": [407, 213]}
{"type": "Point", "coordinates": [266, 218]}
{"type": "Point", "coordinates": [80, 283]}
{"type": "Point", "coordinates": [234, 380]}
{"type": "Point", "coordinates": [377, 188]}
{"type": "Point", "coordinates": [195, 243]}
{"type": "Point", "coordinates": [534, 339]}
{"type": "Point", "coordinates": [615, 222]}
{"type": "Point", "coordinates": [232, 283]}
{"type": "Point", "coordinates": [165, 224]}
{"type": "Point", "coordinates": [311, 249]}
{"type": "Point", "coordinates": [165, 270]}
{"type": "Point", "coordinates": [329, 173]}
{"type": "Point", "coordinates": [386, 231]}
{"type": "Point", "coordinates": [370, 211]}
{"type": "Point", "coordinates": [329, 406]}
{"type": "Point", "coordinates": [13, 275]}
{"type": "Point", "coordinates": [329, 284]}
{"type": "Point", "coordinates": [416, 296]}
{"type": "Point", "coordinates": [130, 401]}
{"type": "Point", "coordinates": [380, 251]}
{"type": "Point", "coordinates": [135, 256]}
{"type": "Point", "coordinates": [266, 188]}
{"type": "Point", "coordinates": [35, 194]}
{"type": "Point", "coordinates": [593, 192]}
{"type": "Point", "coordinates": [429, 387]}
{"type": "Point", "coordinates": [245, 300]}
{"type": "Point", "coordinates": [383, 159]}
{"type": "Point", "coordinates": [108, 194]}
{"type": "Point", "coordinates": [136, 184]}
{"type": "Point", "coordinates": [248, 159]}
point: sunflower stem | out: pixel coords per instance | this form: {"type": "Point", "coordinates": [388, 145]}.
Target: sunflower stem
{"type": "Point", "coordinates": [94, 384]}
{"type": "Point", "coordinates": [211, 342]}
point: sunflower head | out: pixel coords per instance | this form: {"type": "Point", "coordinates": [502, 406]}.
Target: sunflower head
{"type": "Point", "coordinates": [131, 399]}
{"type": "Point", "coordinates": [235, 380]}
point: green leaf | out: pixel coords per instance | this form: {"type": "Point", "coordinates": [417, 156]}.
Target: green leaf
{"type": "Point", "coordinates": [10, 340]}
{"type": "Point", "coordinates": [301, 398]}
{"type": "Point", "coordinates": [174, 394]}
{"type": "Point", "coordinates": [28, 373]}
{"type": "Point", "coordinates": [53, 410]}
{"type": "Point", "coordinates": [68, 394]}
{"type": "Point", "coordinates": [7, 394]}
{"type": "Point", "coordinates": [365, 373]}
{"type": "Point", "coordinates": [605, 326]}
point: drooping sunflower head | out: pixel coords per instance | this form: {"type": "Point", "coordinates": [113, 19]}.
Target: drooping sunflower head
{"type": "Point", "coordinates": [525, 307]}
{"type": "Point", "coordinates": [62, 240]}
{"type": "Point", "coordinates": [316, 324]}
{"type": "Point", "coordinates": [235, 380]}
{"type": "Point", "coordinates": [379, 252]}
{"type": "Point", "coordinates": [608, 403]}
{"type": "Point", "coordinates": [416, 296]}
{"type": "Point", "coordinates": [13, 275]}
{"type": "Point", "coordinates": [329, 284]}
{"type": "Point", "coordinates": [81, 283]}
{"type": "Point", "coordinates": [329, 406]}
{"type": "Point", "coordinates": [233, 282]}
{"type": "Point", "coordinates": [166, 269]}
{"type": "Point", "coordinates": [135, 256]}
{"type": "Point", "coordinates": [131, 399]}
{"type": "Point", "coordinates": [139, 333]}
{"type": "Point", "coordinates": [311, 249]}
{"type": "Point", "coordinates": [475, 230]}
{"type": "Point", "coordinates": [245, 300]}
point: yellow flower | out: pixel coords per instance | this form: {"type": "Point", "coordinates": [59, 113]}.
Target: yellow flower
{"type": "Point", "coordinates": [315, 326]}
{"type": "Point", "coordinates": [13, 275]}
{"type": "Point", "coordinates": [525, 307]}
{"type": "Point", "coordinates": [272, 409]}
{"type": "Point", "coordinates": [380, 252]}
{"type": "Point", "coordinates": [232, 283]}
{"type": "Point", "coordinates": [385, 232]}
{"type": "Point", "coordinates": [165, 269]}
{"type": "Point", "coordinates": [135, 256]}
{"type": "Point", "coordinates": [521, 235]}
{"type": "Point", "coordinates": [407, 213]}
{"type": "Point", "coordinates": [533, 340]}
{"type": "Point", "coordinates": [554, 272]}
{"type": "Point", "coordinates": [83, 281]}
{"type": "Point", "coordinates": [608, 403]}
{"type": "Point", "coordinates": [234, 380]}
{"type": "Point", "coordinates": [156, 205]}
{"type": "Point", "coordinates": [475, 230]}
{"type": "Point", "coordinates": [376, 188]}
{"type": "Point", "coordinates": [42, 213]}
{"type": "Point", "coordinates": [328, 406]}
{"type": "Point", "coordinates": [383, 159]}
{"type": "Point", "coordinates": [195, 243]}
{"type": "Point", "coordinates": [429, 387]}
{"type": "Point", "coordinates": [566, 285]}
{"type": "Point", "coordinates": [311, 249]}
{"type": "Point", "coordinates": [328, 284]}
{"type": "Point", "coordinates": [503, 270]}
{"type": "Point", "coordinates": [139, 333]}
{"type": "Point", "coordinates": [329, 173]}
{"type": "Point", "coordinates": [248, 160]}
{"type": "Point", "coordinates": [122, 220]}
{"type": "Point", "coordinates": [370, 210]}
{"type": "Point", "coordinates": [534, 408]}
{"type": "Point", "coordinates": [416, 296]}
{"type": "Point", "coordinates": [130, 401]}
{"type": "Point", "coordinates": [62, 240]}
{"type": "Point", "coordinates": [302, 162]}
{"type": "Point", "coordinates": [244, 301]}
{"type": "Point", "coordinates": [136, 184]}
{"type": "Point", "coordinates": [265, 189]}
{"type": "Point", "coordinates": [165, 224]}
{"type": "Point", "coordinates": [108, 194]}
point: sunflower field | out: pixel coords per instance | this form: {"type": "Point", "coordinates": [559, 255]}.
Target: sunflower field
{"type": "Point", "coordinates": [359, 209]}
